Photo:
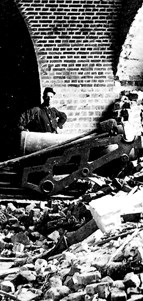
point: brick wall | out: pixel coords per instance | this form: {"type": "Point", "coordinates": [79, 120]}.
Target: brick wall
{"type": "Point", "coordinates": [75, 45]}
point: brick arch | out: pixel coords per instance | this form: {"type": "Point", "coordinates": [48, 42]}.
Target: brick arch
{"type": "Point", "coordinates": [130, 65]}
{"type": "Point", "coordinates": [129, 9]}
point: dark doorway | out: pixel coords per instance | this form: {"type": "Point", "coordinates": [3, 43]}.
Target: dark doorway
{"type": "Point", "coordinates": [19, 77]}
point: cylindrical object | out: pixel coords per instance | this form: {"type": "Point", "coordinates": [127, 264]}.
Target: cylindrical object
{"type": "Point", "coordinates": [124, 158]}
{"type": "Point", "coordinates": [35, 141]}
{"type": "Point", "coordinates": [47, 186]}
{"type": "Point", "coordinates": [129, 131]}
{"type": "Point", "coordinates": [85, 171]}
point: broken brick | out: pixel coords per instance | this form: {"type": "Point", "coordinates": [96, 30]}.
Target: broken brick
{"type": "Point", "coordinates": [87, 278]}
{"type": "Point", "coordinates": [102, 289]}
{"type": "Point", "coordinates": [118, 295]}
{"type": "Point", "coordinates": [131, 280]}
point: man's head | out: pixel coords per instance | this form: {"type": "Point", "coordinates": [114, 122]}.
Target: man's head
{"type": "Point", "coordinates": [48, 95]}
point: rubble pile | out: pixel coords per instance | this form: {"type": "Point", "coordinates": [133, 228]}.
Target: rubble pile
{"type": "Point", "coordinates": [56, 251]}
{"type": "Point", "coordinates": [129, 108]}
{"type": "Point", "coordinates": [125, 112]}
{"type": "Point", "coordinates": [29, 235]}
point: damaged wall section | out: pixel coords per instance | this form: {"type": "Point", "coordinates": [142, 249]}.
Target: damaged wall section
{"type": "Point", "coordinates": [130, 67]}
{"type": "Point", "coordinates": [77, 44]}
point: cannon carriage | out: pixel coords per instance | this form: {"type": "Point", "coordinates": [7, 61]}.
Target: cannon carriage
{"type": "Point", "coordinates": [52, 168]}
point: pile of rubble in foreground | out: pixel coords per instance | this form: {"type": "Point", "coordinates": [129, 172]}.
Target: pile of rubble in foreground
{"type": "Point", "coordinates": [57, 251]}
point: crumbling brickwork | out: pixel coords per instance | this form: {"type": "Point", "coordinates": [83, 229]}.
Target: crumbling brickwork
{"type": "Point", "coordinates": [75, 45]}
{"type": "Point", "coordinates": [130, 67]}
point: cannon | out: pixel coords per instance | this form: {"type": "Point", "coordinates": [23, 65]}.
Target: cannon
{"type": "Point", "coordinates": [46, 165]}
{"type": "Point", "coordinates": [50, 166]}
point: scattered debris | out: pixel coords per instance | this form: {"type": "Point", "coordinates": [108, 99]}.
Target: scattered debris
{"type": "Point", "coordinates": [60, 251]}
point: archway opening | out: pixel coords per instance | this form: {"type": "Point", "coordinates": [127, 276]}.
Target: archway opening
{"type": "Point", "coordinates": [19, 76]}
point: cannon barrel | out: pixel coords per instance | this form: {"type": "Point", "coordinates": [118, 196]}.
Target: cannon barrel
{"type": "Point", "coordinates": [34, 141]}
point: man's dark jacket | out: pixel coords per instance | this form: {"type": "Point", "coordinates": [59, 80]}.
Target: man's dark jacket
{"type": "Point", "coordinates": [42, 119]}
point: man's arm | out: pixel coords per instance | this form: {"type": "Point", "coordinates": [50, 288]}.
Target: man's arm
{"type": "Point", "coordinates": [25, 118]}
{"type": "Point", "coordinates": [62, 117]}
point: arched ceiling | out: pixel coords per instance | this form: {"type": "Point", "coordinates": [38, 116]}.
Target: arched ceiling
{"type": "Point", "coordinates": [130, 62]}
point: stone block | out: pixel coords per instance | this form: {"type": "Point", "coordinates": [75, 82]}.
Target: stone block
{"type": "Point", "coordinates": [7, 286]}
{"type": "Point", "coordinates": [87, 278]}
{"type": "Point", "coordinates": [131, 280]}
{"type": "Point", "coordinates": [118, 295]}
{"type": "Point", "coordinates": [102, 289]}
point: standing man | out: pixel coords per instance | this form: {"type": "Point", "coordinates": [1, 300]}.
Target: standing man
{"type": "Point", "coordinates": [45, 118]}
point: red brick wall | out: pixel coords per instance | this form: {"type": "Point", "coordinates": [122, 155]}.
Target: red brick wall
{"type": "Point", "coordinates": [74, 42]}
